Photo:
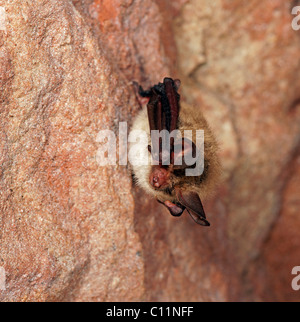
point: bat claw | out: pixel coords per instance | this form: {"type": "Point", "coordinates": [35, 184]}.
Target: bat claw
{"type": "Point", "coordinates": [141, 95]}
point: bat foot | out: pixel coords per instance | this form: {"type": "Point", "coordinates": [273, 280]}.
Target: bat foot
{"type": "Point", "coordinates": [141, 95]}
{"type": "Point", "coordinates": [175, 210]}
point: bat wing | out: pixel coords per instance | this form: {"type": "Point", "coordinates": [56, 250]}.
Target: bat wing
{"type": "Point", "coordinates": [163, 106]}
{"type": "Point", "coordinates": [163, 112]}
{"type": "Point", "coordinates": [193, 204]}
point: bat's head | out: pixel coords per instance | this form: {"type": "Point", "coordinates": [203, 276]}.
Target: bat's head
{"type": "Point", "coordinates": [160, 178]}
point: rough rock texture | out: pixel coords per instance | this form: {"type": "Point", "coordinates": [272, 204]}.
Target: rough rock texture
{"type": "Point", "coordinates": [67, 228]}
{"type": "Point", "coordinates": [245, 75]}
{"type": "Point", "coordinates": [71, 230]}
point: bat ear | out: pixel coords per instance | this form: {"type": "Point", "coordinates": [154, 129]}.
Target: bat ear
{"type": "Point", "coordinates": [193, 204]}
{"type": "Point", "coordinates": [175, 210]}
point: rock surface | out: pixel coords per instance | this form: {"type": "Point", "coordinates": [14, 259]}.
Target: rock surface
{"type": "Point", "coordinates": [71, 230]}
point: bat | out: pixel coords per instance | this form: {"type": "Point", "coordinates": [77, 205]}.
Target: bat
{"type": "Point", "coordinates": [162, 112]}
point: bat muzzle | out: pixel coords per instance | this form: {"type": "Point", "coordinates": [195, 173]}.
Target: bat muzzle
{"type": "Point", "coordinates": [159, 178]}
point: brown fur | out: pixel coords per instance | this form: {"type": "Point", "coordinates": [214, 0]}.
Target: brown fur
{"type": "Point", "coordinates": [190, 118]}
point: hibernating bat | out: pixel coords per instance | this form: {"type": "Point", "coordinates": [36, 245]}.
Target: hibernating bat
{"type": "Point", "coordinates": [168, 182]}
